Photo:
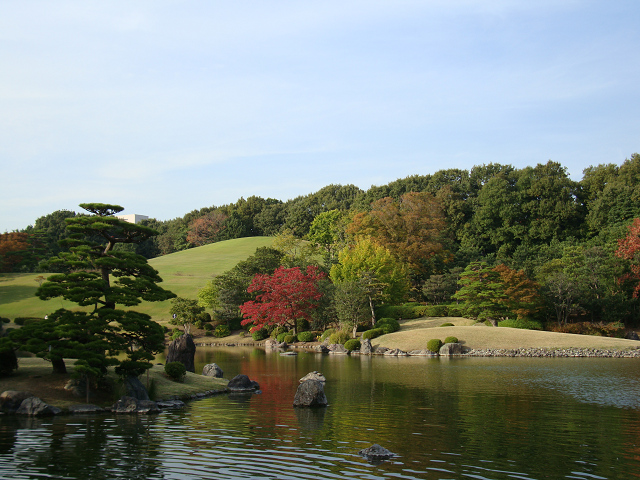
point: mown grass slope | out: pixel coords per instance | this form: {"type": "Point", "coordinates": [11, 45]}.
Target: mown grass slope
{"type": "Point", "coordinates": [184, 273]}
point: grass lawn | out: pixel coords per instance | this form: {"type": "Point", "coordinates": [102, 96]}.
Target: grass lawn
{"type": "Point", "coordinates": [414, 335]}
{"type": "Point", "coordinates": [35, 375]}
{"type": "Point", "coordinates": [184, 273]}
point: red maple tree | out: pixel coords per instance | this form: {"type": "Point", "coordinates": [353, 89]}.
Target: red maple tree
{"type": "Point", "coordinates": [628, 247]}
{"type": "Point", "coordinates": [286, 296]}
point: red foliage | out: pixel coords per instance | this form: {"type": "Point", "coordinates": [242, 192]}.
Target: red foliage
{"type": "Point", "coordinates": [11, 246]}
{"type": "Point", "coordinates": [287, 295]}
{"type": "Point", "coordinates": [628, 247]}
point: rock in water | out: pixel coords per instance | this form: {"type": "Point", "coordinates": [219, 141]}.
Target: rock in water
{"type": "Point", "coordinates": [310, 394]}
{"type": "Point", "coordinates": [183, 350]}
{"type": "Point", "coordinates": [135, 388]}
{"type": "Point", "coordinates": [241, 383]}
{"type": "Point", "coordinates": [212, 370]}
{"type": "Point", "coordinates": [449, 349]}
{"type": "Point", "coordinates": [365, 346]}
{"type": "Point", "coordinates": [33, 407]}
{"type": "Point", "coordinates": [133, 405]}
{"type": "Point", "coordinates": [313, 376]}
{"type": "Point", "coordinates": [376, 453]}
{"type": "Point", "coordinates": [10, 400]}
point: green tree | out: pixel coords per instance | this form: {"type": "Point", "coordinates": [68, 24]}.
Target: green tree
{"type": "Point", "coordinates": [386, 278]}
{"type": "Point", "coordinates": [351, 304]}
{"type": "Point", "coordinates": [100, 278]}
{"type": "Point", "coordinates": [481, 292]}
{"type": "Point", "coordinates": [185, 312]}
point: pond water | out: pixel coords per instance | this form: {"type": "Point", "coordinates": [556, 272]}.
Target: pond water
{"type": "Point", "coordinates": [462, 418]}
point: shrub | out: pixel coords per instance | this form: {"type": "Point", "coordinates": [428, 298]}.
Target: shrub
{"type": "Point", "coordinates": [208, 326]}
{"type": "Point", "coordinates": [279, 330]}
{"type": "Point", "coordinates": [435, 311]}
{"type": "Point", "coordinates": [434, 345]}
{"type": "Point", "coordinates": [447, 324]}
{"type": "Point", "coordinates": [8, 359]}
{"type": "Point", "coordinates": [451, 340]}
{"type": "Point", "coordinates": [290, 338]}
{"type": "Point", "coordinates": [615, 329]}
{"type": "Point", "coordinates": [373, 333]}
{"type": "Point", "coordinates": [222, 331]}
{"type": "Point", "coordinates": [339, 337]}
{"type": "Point", "coordinates": [176, 334]}
{"type": "Point", "coordinates": [25, 320]}
{"type": "Point", "coordinates": [352, 344]}
{"type": "Point", "coordinates": [521, 323]}
{"type": "Point", "coordinates": [306, 336]}
{"type": "Point", "coordinates": [388, 325]}
{"type": "Point", "coordinates": [175, 370]}
{"type": "Point", "coordinates": [455, 310]}
{"type": "Point", "coordinates": [260, 334]}
{"type": "Point", "coordinates": [328, 332]}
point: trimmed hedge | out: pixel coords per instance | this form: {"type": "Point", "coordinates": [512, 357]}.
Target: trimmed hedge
{"type": "Point", "coordinates": [373, 333]}
{"type": "Point", "coordinates": [221, 331]}
{"type": "Point", "coordinates": [327, 333]}
{"type": "Point", "coordinates": [290, 338]}
{"type": "Point", "coordinates": [451, 340]}
{"type": "Point", "coordinates": [260, 334]}
{"type": "Point", "coordinates": [388, 325]}
{"type": "Point", "coordinates": [175, 370]}
{"type": "Point", "coordinates": [306, 336]}
{"type": "Point", "coordinates": [434, 345]}
{"type": "Point", "coordinates": [522, 323]}
{"type": "Point", "coordinates": [353, 344]}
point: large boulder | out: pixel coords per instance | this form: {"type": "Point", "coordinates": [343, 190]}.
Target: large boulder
{"type": "Point", "coordinates": [242, 383]}
{"type": "Point", "coordinates": [272, 343]}
{"type": "Point", "coordinates": [317, 376]}
{"type": "Point", "coordinates": [365, 346]}
{"type": "Point", "coordinates": [133, 405]}
{"type": "Point", "coordinates": [10, 400]}
{"type": "Point", "coordinates": [135, 388]}
{"type": "Point", "coordinates": [183, 350]}
{"type": "Point", "coordinates": [449, 349]}
{"type": "Point", "coordinates": [212, 370]}
{"type": "Point", "coordinates": [631, 335]}
{"type": "Point", "coordinates": [34, 407]}
{"type": "Point", "coordinates": [338, 349]}
{"type": "Point", "coordinates": [310, 394]}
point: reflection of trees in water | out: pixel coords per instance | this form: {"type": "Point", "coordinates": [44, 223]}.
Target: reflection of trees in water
{"type": "Point", "coordinates": [85, 447]}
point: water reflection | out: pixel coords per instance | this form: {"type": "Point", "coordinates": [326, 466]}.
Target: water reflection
{"type": "Point", "coordinates": [459, 418]}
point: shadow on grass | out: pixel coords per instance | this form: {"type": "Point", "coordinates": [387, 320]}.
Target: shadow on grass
{"type": "Point", "coordinates": [15, 293]}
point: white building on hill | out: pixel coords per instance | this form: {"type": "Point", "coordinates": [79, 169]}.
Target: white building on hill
{"type": "Point", "coordinates": [132, 218]}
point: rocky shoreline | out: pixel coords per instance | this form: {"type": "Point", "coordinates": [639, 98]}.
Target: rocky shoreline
{"type": "Point", "coordinates": [558, 353]}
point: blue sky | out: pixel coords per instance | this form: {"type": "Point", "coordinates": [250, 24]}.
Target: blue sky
{"type": "Point", "coordinates": [164, 107]}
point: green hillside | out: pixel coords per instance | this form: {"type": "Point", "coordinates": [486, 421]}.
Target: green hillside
{"type": "Point", "coordinates": [184, 273]}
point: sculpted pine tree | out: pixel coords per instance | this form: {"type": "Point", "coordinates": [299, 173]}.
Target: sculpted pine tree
{"type": "Point", "coordinates": [102, 279]}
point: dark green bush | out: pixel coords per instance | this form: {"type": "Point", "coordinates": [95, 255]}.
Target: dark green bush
{"type": "Point", "coordinates": [352, 344]}
{"type": "Point", "coordinates": [280, 337]}
{"type": "Point", "coordinates": [260, 334]}
{"type": "Point", "coordinates": [277, 331]}
{"type": "Point", "coordinates": [400, 311]}
{"type": "Point", "coordinates": [455, 310]}
{"type": "Point", "coordinates": [24, 320]}
{"type": "Point", "coordinates": [388, 325]}
{"type": "Point", "coordinates": [339, 337]}
{"type": "Point", "coordinates": [291, 338]}
{"type": "Point", "coordinates": [434, 345]}
{"type": "Point", "coordinates": [451, 340]}
{"type": "Point", "coordinates": [208, 327]}
{"type": "Point", "coordinates": [436, 311]}
{"type": "Point", "coordinates": [447, 324]}
{"type": "Point", "coordinates": [234, 324]}
{"type": "Point", "coordinates": [4, 320]}
{"type": "Point", "coordinates": [8, 359]}
{"type": "Point", "coordinates": [373, 333]}
{"type": "Point", "coordinates": [306, 336]}
{"type": "Point", "coordinates": [175, 370]}
{"type": "Point", "coordinates": [521, 323]}
{"type": "Point", "coordinates": [221, 331]}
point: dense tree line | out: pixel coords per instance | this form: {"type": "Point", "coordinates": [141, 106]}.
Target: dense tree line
{"type": "Point", "coordinates": [536, 222]}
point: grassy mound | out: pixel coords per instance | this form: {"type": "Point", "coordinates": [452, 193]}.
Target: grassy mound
{"type": "Point", "coordinates": [184, 273]}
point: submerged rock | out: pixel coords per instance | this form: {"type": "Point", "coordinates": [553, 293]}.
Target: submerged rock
{"type": "Point", "coordinates": [310, 393]}
{"type": "Point", "coordinates": [86, 408]}
{"type": "Point", "coordinates": [242, 383]}
{"type": "Point", "coordinates": [376, 453]}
